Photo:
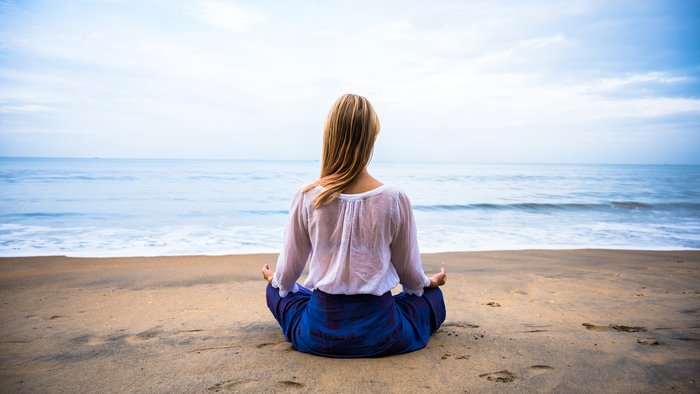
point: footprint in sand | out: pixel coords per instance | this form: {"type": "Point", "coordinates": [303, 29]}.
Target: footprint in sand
{"type": "Point", "coordinates": [144, 336]}
{"type": "Point", "coordinates": [134, 339]}
{"type": "Point", "coordinates": [614, 327]}
{"type": "Point", "coordinates": [448, 332]}
{"type": "Point", "coordinates": [251, 384]}
{"type": "Point", "coordinates": [88, 339]}
{"type": "Point", "coordinates": [204, 349]}
{"type": "Point", "coordinates": [291, 385]}
{"type": "Point", "coordinates": [454, 356]}
{"type": "Point", "coordinates": [647, 341]}
{"type": "Point", "coordinates": [690, 311]}
{"type": "Point", "coordinates": [275, 345]}
{"type": "Point", "coordinates": [460, 325]}
{"type": "Point", "coordinates": [533, 328]}
{"type": "Point", "coordinates": [13, 342]}
{"type": "Point", "coordinates": [506, 376]}
{"type": "Point", "coordinates": [94, 341]}
{"type": "Point", "coordinates": [503, 376]}
{"type": "Point", "coordinates": [234, 385]}
{"type": "Point", "coordinates": [539, 369]}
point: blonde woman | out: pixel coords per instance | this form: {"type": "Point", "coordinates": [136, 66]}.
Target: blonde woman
{"type": "Point", "coordinates": [359, 237]}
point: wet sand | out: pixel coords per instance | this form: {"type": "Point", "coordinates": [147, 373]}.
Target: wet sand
{"type": "Point", "coordinates": [518, 321]}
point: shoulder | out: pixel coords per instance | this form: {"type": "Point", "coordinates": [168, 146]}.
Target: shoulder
{"type": "Point", "coordinates": [309, 190]}
{"type": "Point", "coordinates": [396, 193]}
{"type": "Point", "coordinates": [384, 192]}
{"type": "Point", "coordinates": [306, 194]}
{"type": "Point", "coordinates": [396, 198]}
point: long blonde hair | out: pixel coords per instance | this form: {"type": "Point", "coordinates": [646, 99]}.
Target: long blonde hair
{"type": "Point", "coordinates": [351, 128]}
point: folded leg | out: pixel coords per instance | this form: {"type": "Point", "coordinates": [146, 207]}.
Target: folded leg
{"type": "Point", "coordinates": [287, 310]}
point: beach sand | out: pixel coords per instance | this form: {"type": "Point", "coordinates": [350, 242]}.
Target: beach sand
{"type": "Point", "coordinates": [518, 321]}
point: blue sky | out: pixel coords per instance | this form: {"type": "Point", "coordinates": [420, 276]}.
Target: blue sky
{"type": "Point", "coordinates": [476, 81]}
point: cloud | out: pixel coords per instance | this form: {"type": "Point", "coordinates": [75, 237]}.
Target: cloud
{"type": "Point", "coordinates": [654, 77]}
{"type": "Point", "coordinates": [453, 71]}
{"type": "Point", "coordinates": [227, 15]}
{"type": "Point", "coordinates": [31, 108]}
{"type": "Point", "coordinates": [542, 42]}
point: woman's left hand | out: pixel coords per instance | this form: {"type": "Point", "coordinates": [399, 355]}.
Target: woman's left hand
{"type": "Point", "coordinates": [438, 279]}
{"type": "Point", "coordinates": [267, 273]}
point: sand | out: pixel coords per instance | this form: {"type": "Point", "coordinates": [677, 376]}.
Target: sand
{"type": "Point", "coordinates": [520, 321]}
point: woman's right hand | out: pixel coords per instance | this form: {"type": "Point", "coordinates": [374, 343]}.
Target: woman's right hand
{"type": "Point", "coordinates": [438, 279]}
{"type": "Point", "coordinates": [267, 273]}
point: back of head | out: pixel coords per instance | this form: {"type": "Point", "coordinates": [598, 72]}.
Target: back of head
{"type": "Point", "coordinates": [349, 134]}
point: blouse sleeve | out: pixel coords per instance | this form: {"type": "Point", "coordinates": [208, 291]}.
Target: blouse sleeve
{"type": "Point", "coordinates": [404, 248]}
{"type": "Point", "coordinates": [296, 248]}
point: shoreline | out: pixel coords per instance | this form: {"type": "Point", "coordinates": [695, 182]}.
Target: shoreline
{"type": "Point", "coordinates": [428, 253]}
{"type": "Point", "coordinates": [583, 320]}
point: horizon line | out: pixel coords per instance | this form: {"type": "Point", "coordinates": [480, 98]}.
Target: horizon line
{"type": "Point", "coordinates": [375, 161]}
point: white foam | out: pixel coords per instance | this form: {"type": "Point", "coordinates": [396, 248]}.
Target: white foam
{"type": "Point", "coordinates": [123, 242]}
{"type": "Point", "coordinates": [19, 240]}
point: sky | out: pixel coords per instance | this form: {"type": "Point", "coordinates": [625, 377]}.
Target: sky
{"type": "Point", "coordinates": [590, 81]}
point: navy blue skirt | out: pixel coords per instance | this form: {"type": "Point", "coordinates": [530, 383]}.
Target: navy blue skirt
{"type": "Point", "coordinates": [361, 325]}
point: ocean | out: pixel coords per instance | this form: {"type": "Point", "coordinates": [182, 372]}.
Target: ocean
{"type": "Point", "coordinates": [149, 207]}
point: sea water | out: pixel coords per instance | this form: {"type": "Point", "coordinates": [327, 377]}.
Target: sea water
{"type": "Point", "coordinates": [128, 207]}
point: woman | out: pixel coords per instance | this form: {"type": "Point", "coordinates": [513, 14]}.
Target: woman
{"type": "Point", "coordinates": [360, 238]}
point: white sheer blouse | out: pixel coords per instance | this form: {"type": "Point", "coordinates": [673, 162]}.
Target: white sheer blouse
{"type": "Point", "coordinates": [358, 244]}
